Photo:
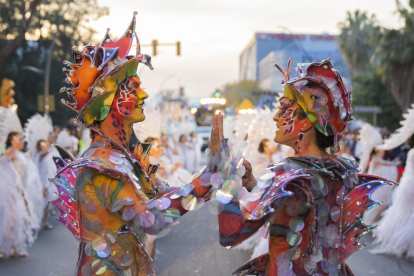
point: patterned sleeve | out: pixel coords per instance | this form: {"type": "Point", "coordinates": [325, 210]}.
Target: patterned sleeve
{"type": "Point", "coordinates": [234, 226]}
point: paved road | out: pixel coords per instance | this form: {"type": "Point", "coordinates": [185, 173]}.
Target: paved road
{"type": "Point", "coordinates": [191, 248]}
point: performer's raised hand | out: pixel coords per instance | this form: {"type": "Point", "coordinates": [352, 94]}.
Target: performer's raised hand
{"type": "Point", "coordinates": [248, 180]}
{"type": "Point", "coordinates": [216, 133]}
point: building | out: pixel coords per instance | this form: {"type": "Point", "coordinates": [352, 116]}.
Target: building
{"type": "Point", "coordinates": [255, 60]}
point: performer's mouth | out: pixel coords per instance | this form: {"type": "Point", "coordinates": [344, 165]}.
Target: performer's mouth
{"type": "Point", "coordinates": [139, 105]}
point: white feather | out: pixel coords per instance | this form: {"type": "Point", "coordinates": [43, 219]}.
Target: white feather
{"type": "Point", "coordinates": [403, 133]}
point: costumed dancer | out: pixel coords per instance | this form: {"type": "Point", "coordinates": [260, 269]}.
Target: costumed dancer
{"type": "Point", "coordinates": [20, 189]}
{"type": "Point", "coordinates": [38, 133]}
{"type": "Point", "coordinates": [311, 205]}
{"type": "Point", "coordinates": [110, 199]}
{"type": "Point", "coordinates": [371, 157]}
{"type": "Point", "coordinates": [395, 235]}
{"type": "Point", "coordinates": [197, 148]}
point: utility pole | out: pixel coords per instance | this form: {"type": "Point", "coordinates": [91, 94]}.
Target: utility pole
{"type": "Point", "coordinates": [154, 44]}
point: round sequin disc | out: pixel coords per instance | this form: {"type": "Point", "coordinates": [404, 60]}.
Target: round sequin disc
{"type": "Point", "coordinates": [293, 238]}
{"type": "Point", "coordinates": [335, 213]}
{"type": "Point", "coordinates": [147, 219]}
{"type": "Point", "coordinates": [97, 226]}
{"type": "Point", "coordinates": [91, 207]}
{"type": "Point", "coordinates": [189, 202]}
{"type": "Point", "coordinates": [296, 224]}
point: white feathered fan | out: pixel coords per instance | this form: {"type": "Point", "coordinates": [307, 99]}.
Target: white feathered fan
{"type": "Point", "coordinates": [9, 121]}
{"type": "Point", "coordinates": [403, 133]}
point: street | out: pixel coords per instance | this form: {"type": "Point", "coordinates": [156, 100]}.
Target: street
{"type": "Point", "coordinates": [191, 248]}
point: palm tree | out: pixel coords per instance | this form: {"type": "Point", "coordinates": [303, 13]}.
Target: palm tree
{"type": "Point", "coordinates": [396, 56]}
{"type": "Point", "coordinates": [355, 40]}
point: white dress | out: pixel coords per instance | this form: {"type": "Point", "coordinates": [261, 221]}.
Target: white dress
{"type": "Point", "coordinates": [189, 156]}
{"type": "Point", "coordinates": [387, 170]}
{"type": "Point", "coordinates": [47, 169]}
{"type": "Point", "coordinates": [20, 193]}
{"type": "Point", "coordinates": [395, 234]}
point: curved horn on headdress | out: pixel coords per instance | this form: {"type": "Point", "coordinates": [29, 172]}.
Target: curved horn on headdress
{"type": "Point", "coordinates": [285, 74]}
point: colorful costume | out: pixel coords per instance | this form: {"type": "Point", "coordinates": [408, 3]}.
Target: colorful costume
{"type": "Point", "coordinates": [311, 207]}
{"type": "Point", "coordinates": [111, 199]}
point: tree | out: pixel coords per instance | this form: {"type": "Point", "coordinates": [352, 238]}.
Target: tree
{"type": "Point", "coordinates": [236, 92]}
{"type": "Point", "coordinates": [396, 56]}
{"type": "Point", "coordinates": [33, 49]}
{"type": "Point", "coordinates": [371, 90]}
{"type": "Point", "coordinates": [355, 41]}
{"type": "Point", "coordinates": [15, 20]}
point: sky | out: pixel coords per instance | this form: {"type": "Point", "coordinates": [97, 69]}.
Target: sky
{"type": "Point", "coordinates": [213, 33]}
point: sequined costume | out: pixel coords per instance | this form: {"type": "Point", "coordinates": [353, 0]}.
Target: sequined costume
{"type": "Point", "coordinates": [110, 199]}
{"type": "Point", "coordinates": [310, 207]}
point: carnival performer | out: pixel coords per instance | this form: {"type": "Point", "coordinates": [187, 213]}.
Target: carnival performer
{"type": "Point", "coordinates": [20, 190]}
{"type": "Point", "coordinates": [197, 148]}
{"type": "Point", "coordinates": [38, 133]}
{"type": "Point", "coordinates": [111, 199]}
{"type": "Point", "coordinates": [187, 153]}
{"type": "Point", "coordinates": [311, 205]}
{"type": "Point", "coordinates": [395, 235]}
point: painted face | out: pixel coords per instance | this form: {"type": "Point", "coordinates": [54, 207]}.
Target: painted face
{"type": "Point", "coordinates": [127, 106]}
{"type": "Point", "coordinates": [291, 129]}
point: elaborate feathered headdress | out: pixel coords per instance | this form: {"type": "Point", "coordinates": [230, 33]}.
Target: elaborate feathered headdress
{"type": "Point", "coordinates": [321, 92]}
{"type": "Point", "coordinates": [97, 71]}
{"type": "Point", "coordinates": [403, 133]}
{"type": "Point", "coordinates": [38, 127]}
{"type": "Point", "coordinates": [9, 121]}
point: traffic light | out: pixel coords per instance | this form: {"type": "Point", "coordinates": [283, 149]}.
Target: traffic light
{"type": "Point", "coordinates": [178, 48]}
{"type": "Point", "coordinates": [154, 47]}
{"type": "Point", "coordinates": [6, 93]}
{"type": "Point", "coordinates": [217, 94]}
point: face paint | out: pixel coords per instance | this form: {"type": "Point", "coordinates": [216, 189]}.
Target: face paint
{"type": "Point", "coordinates": [127, 108]}
{"type": "Point", "coordinates": [290, 128]}
{"type": "Point", "coordinates": [127, 97]}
